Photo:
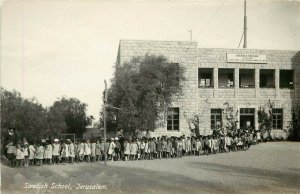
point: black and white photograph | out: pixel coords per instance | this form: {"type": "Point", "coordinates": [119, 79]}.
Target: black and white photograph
{"type": "Point", "coordinates": [150, 96]}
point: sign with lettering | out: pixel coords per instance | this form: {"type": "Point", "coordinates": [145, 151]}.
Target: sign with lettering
{"type": "Point", "coordinates": [246, 58]}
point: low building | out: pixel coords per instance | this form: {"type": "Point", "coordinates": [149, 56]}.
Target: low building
{"type": "Point", "coordinates": [244, 79]}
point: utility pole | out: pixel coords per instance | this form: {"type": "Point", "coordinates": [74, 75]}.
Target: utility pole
{"type": "Point", "coordinates": [245, 25]}
{"type": "Point", "coordinates": [104, 120]}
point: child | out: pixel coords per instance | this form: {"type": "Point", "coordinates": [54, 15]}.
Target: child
{"type": "Point", "coordinates": [26, 154]}
{"type": "Point", "coordinates": [71, 151]}
{"type": "Point", "coordinates": [138, 149]}
{"type": "Point", "coordinates": [183, 140]}
{"type": "Point", "coordinates": [164, 148]}
{"type": "Point", "coordinates": [142, 148]}
{"type": "Point", "coordinates": [188, 146]}
{"type": "Point", "coordinates": [198, 147]}
{"type": "Point", "coordinates": [179, 148]}
{"type": "Point", "coordinates": [63, 153]}
{"type": "Point", "coordinates": [147, 150]}
{"type": "Point", "coordinates": [19, 156]}
{"type": "Point", "coordinates": [48, 153]}
{"type": "Point", "coordinates": [111, 149]}
{"type": "Point", "coordinates": [87, 150]}
{"type": "Point", "coordinates": [31, 150]}
{"type": "Point", "coordinates": [174, 147]}
{"type": "Point", "coordinates": [151, 148]}
{"type": "Point", "coordinates": [80, 151]}
{"type": "Point", "coordinates": [127, 149]}
{"type": "Point", "coordinates": [193, 144]}
{"type": "Point", "coordinates": [11, 150]}
{"type": "Point", "coordinates": [76, 150]}
{"type": "Point", "coordinates": [93, 151]}
{"type": "Point", "coordinates": [133, 150]}
{"type": "Point", "coordinates": [159, 148]}
{"type": "Point", "coordinates": [102, 149]}
{"type": "Point", "coordinates": [202, 145]}
{"type": "Point", "coordinates": [40, 154]}
{"type": "Point", "coordinates": [98, 151]}
{"type": "Point", "coordinates": [117, 149]}
{"type": "Point", "coordinates": [169, 148]}
{"type": "Point", "coordinates": [56, 151]}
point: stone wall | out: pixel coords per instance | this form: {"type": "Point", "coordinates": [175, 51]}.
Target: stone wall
{"type": "Point", "coordinates": [184, 53]}
{"type": "Point", "coordinates": [252, 97]}
{"type": "Point", "coordinates": [200, 100]}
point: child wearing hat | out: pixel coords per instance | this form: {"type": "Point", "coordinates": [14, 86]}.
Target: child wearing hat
{"type": "Point", "coordinates": [55, 151]}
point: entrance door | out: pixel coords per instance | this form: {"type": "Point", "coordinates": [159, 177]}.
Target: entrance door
{"type": "Point", "coordinates": [247, 118]}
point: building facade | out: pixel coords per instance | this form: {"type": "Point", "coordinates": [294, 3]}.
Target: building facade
{"type": "Point", "coordinates": [243, 80]}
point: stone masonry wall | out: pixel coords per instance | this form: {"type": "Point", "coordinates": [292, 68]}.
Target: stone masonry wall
{"type": "Point", "coordinates": [248, 97]}
{"type": "Point", "coordinates": [200, 100]}
{"type": "Point", "coordinates": [184, 53]}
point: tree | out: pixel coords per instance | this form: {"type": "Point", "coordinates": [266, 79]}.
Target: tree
{"type": "Point", "coordinates": [264, 118]}
{"type": "Point", "coordinates": [26, 116]}
{"type": "Point", "coordinates": [74, 114]}
{"type": "Point", "coordinates": [230, 118]}
{"type": "Point", "coordinates": [144, 88]}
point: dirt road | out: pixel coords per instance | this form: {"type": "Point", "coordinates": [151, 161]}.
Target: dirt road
{"type": "Point", "coordinates": [272, 167]}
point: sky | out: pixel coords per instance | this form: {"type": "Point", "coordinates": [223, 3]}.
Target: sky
{"type": "Point", "coordinates": [51, 48]}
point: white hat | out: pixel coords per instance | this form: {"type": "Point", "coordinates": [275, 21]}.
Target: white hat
{"type": "Point", "coordinates": [116, 138]}
{"type": "Point", "coordinates": [56, 140]}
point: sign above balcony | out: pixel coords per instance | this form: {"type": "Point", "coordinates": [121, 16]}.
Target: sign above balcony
{"type": "Point", "coordinates": [246, 58]}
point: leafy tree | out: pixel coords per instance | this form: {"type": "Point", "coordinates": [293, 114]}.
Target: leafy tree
{"type": "Point", "coordinates": [74, 113]}
{"type": "Point", "coordinates": [144, 88]}
{"type": "Point", "coordinates": [26, 116]}
{"type": "Point", "coordinates": [264, 118]}
{"type": "Point", "coordinates": [31, 120]}
{"type": "Point", "coordinates": [230, 118]}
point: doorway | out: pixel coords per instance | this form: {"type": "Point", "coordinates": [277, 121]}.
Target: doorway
{"type": "Point", "coordinates": [247, 118]}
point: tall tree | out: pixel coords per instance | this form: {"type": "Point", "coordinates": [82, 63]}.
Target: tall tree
{"type": "Point", "coordinates": [144, 88]}
{"type": "Point", "coordinates": [26, 116]}
{"type": "Point", "coordinates": [74, 113]}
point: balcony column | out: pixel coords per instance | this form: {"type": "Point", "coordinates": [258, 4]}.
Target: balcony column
{"type": "Point", "coordinates": [216, 82]}
{"type": "Point", "coordinates": [257, 82]}
{"type": "Point", "coordinates": [277, 83]}
{"type": "Point", "coordinates": [236, 82]}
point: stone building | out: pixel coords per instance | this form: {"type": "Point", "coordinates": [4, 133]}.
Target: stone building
{"type": "Point", "coordinates": [244, 79]}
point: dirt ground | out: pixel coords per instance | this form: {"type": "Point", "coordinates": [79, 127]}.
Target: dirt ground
{"type": "Point", "coordinates": [272, 167]}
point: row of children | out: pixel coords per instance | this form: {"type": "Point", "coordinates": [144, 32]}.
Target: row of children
{"type": "Point", "coordinates": [66, 151]}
